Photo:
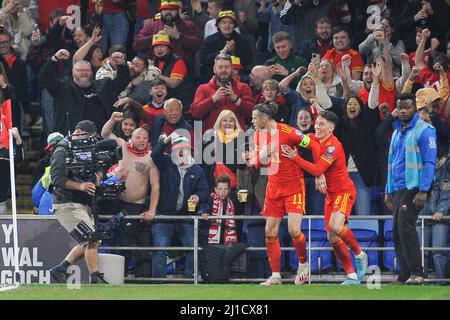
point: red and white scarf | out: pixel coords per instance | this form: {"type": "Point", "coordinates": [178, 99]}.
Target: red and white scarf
{"type": "Point", "coordinates": [215, 229]}
{"type": "Point", "coordinates": [136, 152]}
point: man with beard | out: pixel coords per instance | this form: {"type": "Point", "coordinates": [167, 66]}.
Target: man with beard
{"type": "Point", "coordinates": [80, 97]}
{"type": "Point", "coordinates": [302, 15]}
{"type": "Point", "coordinates": [185, 36]}
{"type": "Point", "coordinates": [322, 42]}
{"type": "Point", "coordinates": [222, 93]}
{"type": "Point", "coordinates": [141, 73]}
{"type": "Point", "coordinates": [137, 169]}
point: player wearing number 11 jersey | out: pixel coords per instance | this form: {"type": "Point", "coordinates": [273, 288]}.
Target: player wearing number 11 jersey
{"type": "Point", "coordinates": [341, 193]}
{"type": "Point", "coordinates": [285, 192]}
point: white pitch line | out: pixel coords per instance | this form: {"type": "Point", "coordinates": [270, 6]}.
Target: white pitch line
{"type": "Point", "coordinates": [7, 288]}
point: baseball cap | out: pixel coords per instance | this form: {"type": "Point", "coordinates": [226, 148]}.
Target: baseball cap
{"type": "Point", "coordinates": [425, 95]}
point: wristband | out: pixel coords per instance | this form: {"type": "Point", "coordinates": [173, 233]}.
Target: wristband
{"type": "Point", "coordinates": [236, 100]}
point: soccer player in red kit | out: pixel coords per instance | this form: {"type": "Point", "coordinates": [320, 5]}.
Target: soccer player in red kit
{"type": "Point", "coordinates": [330, 160]}
{"type": "Point", "coordinates": [285, 192]}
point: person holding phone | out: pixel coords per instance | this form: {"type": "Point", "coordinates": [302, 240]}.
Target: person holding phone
{"type": "Point", "coordinates": [222, 93]}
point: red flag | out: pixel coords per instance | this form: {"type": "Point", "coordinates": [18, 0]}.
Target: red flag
{"type": "Point", "coordinates": [5, 123]}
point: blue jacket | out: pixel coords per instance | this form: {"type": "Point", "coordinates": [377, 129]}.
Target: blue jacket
{"type": "Point", "coordinates": [412, 156]}
{"type": "Point", "coordinates": [40, 195]}
{"type": "Point", "coordinates": [194, 183]}
{"type": "Point", "coordinates": [439, 199]}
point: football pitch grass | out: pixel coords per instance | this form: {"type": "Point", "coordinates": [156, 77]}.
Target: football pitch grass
{"type": "Point", "coordinates": [226, 292]}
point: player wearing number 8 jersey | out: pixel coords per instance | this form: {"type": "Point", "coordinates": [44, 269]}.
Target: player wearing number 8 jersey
{"type": "Point", "coordinates": [285, 191]}
{"type": "Point", "coordinates": [340, 190]}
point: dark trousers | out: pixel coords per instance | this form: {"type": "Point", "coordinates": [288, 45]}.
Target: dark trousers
{"type": "Point", "coordinates": [406, 239]}
{"type": "Point", "coordinates": [135, 233]}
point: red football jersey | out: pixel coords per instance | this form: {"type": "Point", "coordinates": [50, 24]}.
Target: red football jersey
{"type": "Point", "coordinates": [386, 95]}
{"type": "Point", "coordinates": [282, 171]}
{"type": "Point", "coordinates": [332, 163]}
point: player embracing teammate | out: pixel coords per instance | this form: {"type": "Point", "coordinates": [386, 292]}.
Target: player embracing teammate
{"type": "Point", "coordinates": [276, 147]}
{"type": "Point", "coordinates": [330, 161]}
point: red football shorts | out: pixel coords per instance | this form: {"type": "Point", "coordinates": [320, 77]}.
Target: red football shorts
{"type": "Point", "coordinates": [339, 202]}
{"type": "Point", "coordinates": [284, 199]}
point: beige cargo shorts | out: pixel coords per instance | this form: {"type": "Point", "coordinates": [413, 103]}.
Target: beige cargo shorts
{"type": "Point", "coordinates": [71, 214]}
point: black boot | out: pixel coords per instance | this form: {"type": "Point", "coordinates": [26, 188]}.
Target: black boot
{"type": "Point", "coordinates": [58, 275]}
{"type": "Point", "coordinates": [98, 278]}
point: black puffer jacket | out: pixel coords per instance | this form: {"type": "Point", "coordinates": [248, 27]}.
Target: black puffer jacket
{"type": "Point", "coordinates": [94, 103]}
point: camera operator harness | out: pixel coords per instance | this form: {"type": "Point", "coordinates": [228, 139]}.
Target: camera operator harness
{"type": "Point", "coordinates": [85, 157]}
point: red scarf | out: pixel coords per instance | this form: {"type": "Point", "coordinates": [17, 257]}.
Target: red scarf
{"type": "Point", "coordinates": [215, 229]}
{"type": "Point", "coordinates": [139, 153]}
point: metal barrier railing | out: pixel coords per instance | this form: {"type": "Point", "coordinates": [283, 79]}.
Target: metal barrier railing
{"type": "Point", "coordinates": [196, 248]}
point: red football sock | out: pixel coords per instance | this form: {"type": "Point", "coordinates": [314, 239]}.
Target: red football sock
{"type": "Point", "coordinates": [274, 253]}
{"type": "Point", "coordinates": [299, 243]}
{"type": "Point", "coordinates": [348, 237]}
{"type": "Point", "coordinates": [343, 256]}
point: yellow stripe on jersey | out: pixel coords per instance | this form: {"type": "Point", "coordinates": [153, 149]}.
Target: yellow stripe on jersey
{"type": "Point", "coordinates": [330, 161]}
{"type": "Point", "coordinates": [286, 129]}
{"type": "Point", "coordinates": [344, 202]}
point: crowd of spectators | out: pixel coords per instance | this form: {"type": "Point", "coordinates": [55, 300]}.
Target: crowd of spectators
{"type": "Point", "coordinates": [168, 64]}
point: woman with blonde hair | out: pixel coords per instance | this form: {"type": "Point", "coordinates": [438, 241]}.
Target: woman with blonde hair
{"type": "Point", "coordinates": [222, 147]}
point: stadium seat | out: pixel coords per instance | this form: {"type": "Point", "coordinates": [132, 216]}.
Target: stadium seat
{"type": "Point", "coordinates": [389, 259]}
{"type": "Point", "coordinates": [388, 227]}
{"type": "Point", "coordinates": [320, 260]}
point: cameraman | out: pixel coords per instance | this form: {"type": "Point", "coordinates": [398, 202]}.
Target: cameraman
{"type": "Point", "coordinates": [71, 205]}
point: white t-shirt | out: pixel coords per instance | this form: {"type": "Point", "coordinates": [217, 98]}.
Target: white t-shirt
{"type": "Point", "coordinates": [210, 28]}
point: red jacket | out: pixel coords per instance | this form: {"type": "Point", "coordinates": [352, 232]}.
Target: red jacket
{"type": "Point", "coordinates": [186, 46]}
{"type": "Point", "coordinates": [143, 9]}
{"type": "Point", "coordinates": [204, 108]}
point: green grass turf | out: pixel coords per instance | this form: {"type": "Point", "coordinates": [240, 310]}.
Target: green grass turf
{"type": "Point", "coordinates": [226, 292]}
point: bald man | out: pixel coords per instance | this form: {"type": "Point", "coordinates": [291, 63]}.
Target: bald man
{"type": "Point", "coordinates": [257, 77]}
{"type": "Point", "coordinates": [137, 170]}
